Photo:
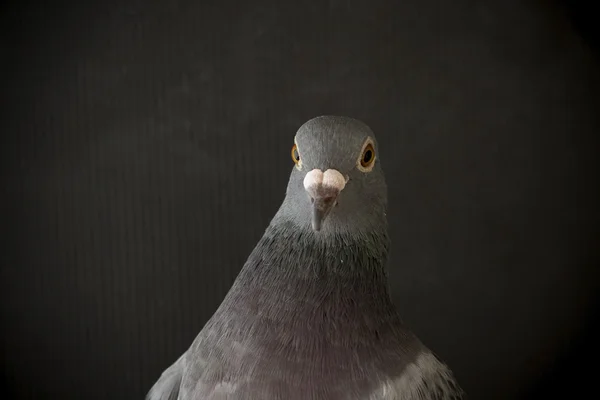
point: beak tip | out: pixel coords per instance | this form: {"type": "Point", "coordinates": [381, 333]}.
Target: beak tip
{"type": "Point", "coordinates": [321, 205]}
{"type": "Point", "coordinates": [316, 226]}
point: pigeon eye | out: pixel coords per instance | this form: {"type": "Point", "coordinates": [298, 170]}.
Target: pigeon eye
{"type": "Point", "coordinates": [296, 156]}
{"type": "Point", "coordinates": [367, 157]}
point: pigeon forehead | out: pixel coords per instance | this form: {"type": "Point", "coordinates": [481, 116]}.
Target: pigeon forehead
{"type": "Point", "coordinates": [332, 140]}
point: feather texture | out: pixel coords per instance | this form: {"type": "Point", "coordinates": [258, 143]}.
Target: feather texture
{"type": "Point", "coordinates": [310, 316]}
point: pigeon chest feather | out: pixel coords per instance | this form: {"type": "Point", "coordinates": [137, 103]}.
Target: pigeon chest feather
{"type": "Point", "coordinates": [325, 338]}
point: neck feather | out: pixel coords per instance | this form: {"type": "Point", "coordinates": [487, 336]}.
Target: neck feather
{"type": "Point", "coordinates": [298, 274]}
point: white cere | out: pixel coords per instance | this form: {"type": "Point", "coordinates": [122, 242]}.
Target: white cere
{"type": "Point", "coordinates": [331, 178]}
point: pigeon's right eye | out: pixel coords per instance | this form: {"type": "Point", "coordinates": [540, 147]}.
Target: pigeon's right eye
{"type": "Point", "coordinates": [295, 154]}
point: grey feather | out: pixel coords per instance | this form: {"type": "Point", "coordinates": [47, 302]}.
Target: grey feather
{"type": "Point", "coordinates": [167, 386]}
{"type": "Point", "coordinates": [310, 314]}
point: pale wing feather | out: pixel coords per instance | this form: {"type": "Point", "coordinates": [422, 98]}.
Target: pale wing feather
{"type": "Point", "coordinates": [168, 384]}
{"type": "Point", "coordinates": [425, 379]}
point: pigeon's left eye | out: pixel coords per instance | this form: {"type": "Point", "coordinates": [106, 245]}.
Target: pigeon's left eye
{"type": "Point", "coordinates": [367, 157]}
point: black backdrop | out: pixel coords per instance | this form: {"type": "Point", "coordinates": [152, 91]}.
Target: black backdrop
{"type": "Point", "coordinates": [146, 146]}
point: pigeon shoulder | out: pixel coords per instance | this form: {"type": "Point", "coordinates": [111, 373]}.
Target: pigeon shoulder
{"type": "Point", "coordinates": [168, 384]}
{"type": "Point", "coordinates": [427, 378]}
{"type": "Point", "coordinates": [206, 367]}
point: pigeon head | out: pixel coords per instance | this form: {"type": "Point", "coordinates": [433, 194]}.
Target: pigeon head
{"type": "Point", "coordinates": [337, 184]}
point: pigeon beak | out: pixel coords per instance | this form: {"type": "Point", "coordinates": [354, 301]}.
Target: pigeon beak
{"type": "Point", "coordinates": [320, 209]}
{"type": "Point", "coordinates": [323, 189]}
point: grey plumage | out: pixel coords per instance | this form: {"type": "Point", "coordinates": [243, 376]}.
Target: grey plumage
{"type": "Point", "coordinates": [167, 386]}
{"type": "Point", "coordinates": [310, 315]}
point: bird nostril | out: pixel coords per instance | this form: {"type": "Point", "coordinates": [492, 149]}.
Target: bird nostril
{"type": "Point", "coordinates": [312, 200]}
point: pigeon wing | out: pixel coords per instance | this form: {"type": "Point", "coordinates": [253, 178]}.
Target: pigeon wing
{"type": "Point", "coordinates": [427, 378]}
{"type": "Point", "coordinates": [167, 386]}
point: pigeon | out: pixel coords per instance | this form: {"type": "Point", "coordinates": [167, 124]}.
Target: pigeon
{"type": "Point", "coordinates": [310, 316]}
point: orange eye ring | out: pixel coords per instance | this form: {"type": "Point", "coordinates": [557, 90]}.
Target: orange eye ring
{"type": "Point", "coordinates": [367, 158]}
{"type": "Point", "coordinates": [295, 154]}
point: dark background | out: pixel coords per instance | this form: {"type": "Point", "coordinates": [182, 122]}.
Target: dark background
{"type": "Point", "coordinates": [146, 147]}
